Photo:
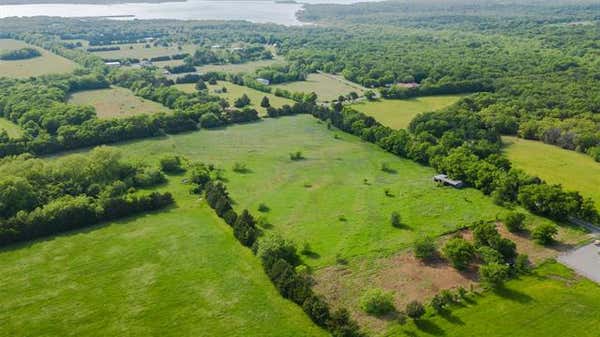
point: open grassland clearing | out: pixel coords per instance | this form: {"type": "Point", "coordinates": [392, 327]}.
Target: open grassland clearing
{"type": "Point", "coordinates": [397, 114]}
{"type": "Point", "coordinates": [328, 87]}
{"type": "Point", "coordinates": [552, 302]}
{"type": "Point", "coordinates": [144, 51]}
{"type": "Point", "coordinates": [47, 63]}
{"type": "Point", "coordinates": [575, 171]}
{"type": "Point", "coordinates": [12, 129]}
{"type": "Point", "coordinates": [247, 67]}
{"type": "Point", "coordinates": [176, 272]}
{"type": "Point", "coordinates": [235, 91]}
{"type": "Point", "coordinates": [116, 102]}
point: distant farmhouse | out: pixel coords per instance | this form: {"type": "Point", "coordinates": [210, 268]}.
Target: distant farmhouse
{"type": "Point", "coordinates": [263, 81]}
{"type": "Point", "coordinates": [443, 179]}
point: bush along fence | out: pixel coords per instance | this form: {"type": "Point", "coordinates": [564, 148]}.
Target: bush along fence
{"type": "Point", "coordinates": [278, 257]}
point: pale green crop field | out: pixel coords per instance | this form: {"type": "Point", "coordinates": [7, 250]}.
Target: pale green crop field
{"type": "Point", "coordinates": [328, 87]}
{"type": "Point", "coordinates": [398, 113]}
{"type": "Point", "coordinates": [13, 130]}
{"type": "Point", "coordinates": [47, 63]}
{"type": "Point", "coordinates": [575, 171]}
{"type": "Point", "coordinates": [139, 50]}
{"type": "Point", "coordinates": [247, 67]}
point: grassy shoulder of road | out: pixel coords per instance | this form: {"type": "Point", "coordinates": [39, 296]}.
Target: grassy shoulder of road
{"type": "Point", "coordinates": [47, 63]}
{"type": "Point", "coordinates": [116, 102]}
{"type": "Point", "coordinates": [175, 272]}
{"type": "Point", "coordinates": [575, 171]}
{"type": "Point", "coordinates": [398, 113]}
{"type": "Point", "coordinates": [12, 129]}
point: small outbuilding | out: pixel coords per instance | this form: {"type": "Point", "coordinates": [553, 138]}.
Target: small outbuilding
{"type": "Point", "coordinates": [263, 81]}
{"type": "Point", "coordinates": [445, 180]}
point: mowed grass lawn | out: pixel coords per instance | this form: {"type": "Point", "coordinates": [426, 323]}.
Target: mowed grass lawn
{"type": "Point", "coordinates": [13, 130]}
{"type": "Point", "coordinates": [397, 113]}
{"type": "Point", "coordinates": [575, 171]}
{"type": "Point", "coordinates": [552, 302]}
{"type": "Point", "coordinates": [177, 272]}
{"type": "Point", "coordinates": [139, 50]}
{"type": "Point", "coordinates": [334, 199]}
{"type": "Point", "coordinates": [328, 87]}
{"type": "Point", "coordinates": [47, 63]}
{"type": "Point", "coordinates": [116, 102]}
{"type": "Point", "coordinates": [235, 91]}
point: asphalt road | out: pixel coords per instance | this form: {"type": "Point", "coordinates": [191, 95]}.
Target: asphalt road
{"type": "Point", "coordinates": [584, 260]}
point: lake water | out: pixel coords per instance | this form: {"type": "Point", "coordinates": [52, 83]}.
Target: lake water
{"type": "Point", "coordinates": [250, 10]}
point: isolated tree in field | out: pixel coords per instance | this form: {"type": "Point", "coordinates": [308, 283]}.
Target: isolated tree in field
{"type": "Point", "coordinates": [425, 248]}
{"type": "Point", "coordinates": [265, 102]}
{"type": "Point", "coordinates": [377, 302]}
{"type": "Point", "coordinates": [352, 95]}
{"type": "Point", "coordinates": [544, 233]}
{"type": "Point", "coordinates": [242, 101]}
{"type": "Point", "coordinates": [514, 222]}
{"type": "Point", "coordinates": [460, 252]}
{"type": "Point", "coordinates": [415, 310]}
{"type": "Point", "coordinates": [493, 275]}
{"type": "Point", "coordinates": [171, 164]}
{"type": "Point", "coordinates": [200, 85]}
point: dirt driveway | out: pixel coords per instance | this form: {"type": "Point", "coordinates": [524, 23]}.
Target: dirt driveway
{"type": "Point", "coordinates": [584, 260]}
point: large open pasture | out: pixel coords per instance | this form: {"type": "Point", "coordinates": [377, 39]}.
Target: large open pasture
{"type": "Point", "coordinates": [552, 302]}
{"type": "Point", "coordinates": [397, 114]}
{"type": "Point", "coordinates": [116, 102]}
{"type": "Point", "coordinates": [247, 67]}
{"type": "Point", "coordinates": [235, 91]}
{"type": "Point", "coordinates": [47, 63]}
{"type": "Point", "coordinates": [328, 87]}
{"type": "Point", "coordinates": [177, 272]}
{"type": "Point", "coordinates": [12, 129]}
{"type": "Point", "coordinates": [142, 50]}
{"type": "Point", "coordinates": [573, 170]}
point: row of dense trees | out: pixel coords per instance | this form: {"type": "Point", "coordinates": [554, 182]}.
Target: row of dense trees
{"type": "Point", "coordinates": [40, 197]}
{"type": "Point", "coordinates": [19, 54]}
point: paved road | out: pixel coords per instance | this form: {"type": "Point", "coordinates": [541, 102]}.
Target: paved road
{"type": "Point", "coordinates": [584, 260]}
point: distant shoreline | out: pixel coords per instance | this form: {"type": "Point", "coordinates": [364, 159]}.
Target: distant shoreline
{"type": "Point", "coordinates": [81, 2]}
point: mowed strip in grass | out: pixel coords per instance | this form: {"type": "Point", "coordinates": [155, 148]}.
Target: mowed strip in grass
{"type": "Point", "coordinates": [575, 171]}
{"type": "Point", "coordinates": [397, 114]}
{"type": "Point", "coordinates": [177, 272]}
{"type": "Point", "coordinates": [139, 51]}
{"type": "Point", "coordinates": [328, 87]}
{"type": "Point", "coordinates": [116, 102]}
{"type": "Point", "coordinates": [47, 63]}
{"type": "Point", "coordinates": [334, 199]}
{"type": "Point", "coordinates": [552, 302]}
{"type": "Point", "coordinates": [235, 91]}
{"type": "Point", "coordinates": [12, 129]}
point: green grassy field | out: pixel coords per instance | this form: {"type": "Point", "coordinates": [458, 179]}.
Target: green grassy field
{"type": "Point", "coordinates": [551, 303]}
{"type": "Point", "coordinates": [247, 67]}
{"type": "Point", "coordinates": [397, 114]}
{"type": "Point", "coordinates": [48, 63]}
{"type": "Point", "coordinates": [324, 200]}
{"type": "Point", "coordinates": [177, 272]}
{"type": "Point", "coordinates": [235, 91]}
{"type": "Point", "coordinates": [328, 87]}
{"type": "Point", "coordinates": [575, 171]}
{"type": "Point", "coordinates": [13, 130]}
{"type": "Point", "coordinates": [139, 50]}
{"type": "Point", "coordinates": [116, 102]}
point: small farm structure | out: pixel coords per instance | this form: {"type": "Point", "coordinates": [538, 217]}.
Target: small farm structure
{"type": "Point", "coordinates": [445, 180]}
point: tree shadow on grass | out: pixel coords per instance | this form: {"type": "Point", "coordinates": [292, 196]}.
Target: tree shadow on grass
{"type": "Point", "coordinates": [451, 318]}
{"type": "Point", "coordinates": [429, 327]}
{"type": "Point", "coordinates": [513, 295]}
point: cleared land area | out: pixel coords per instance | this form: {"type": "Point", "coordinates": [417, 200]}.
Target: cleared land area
{"type": "Point", "coordinates": [552, 302]}
{"type": "Point", "coordinates": [116, 102]}
{"type": "Point", "coordinates": [47, 63]}
{"type": "Point", "coordinates": [397, 114]}
{"type": "Point", "coordinates": [177, 272]}
{"type": "Point", "coordinates": [13, 130]}
{"type": "Point", "coordinates": [247, 67]}
{"type": "Point", "coordinates": [235, 91]}
{"type": "Point", "coordinates": [328, 87]}
{"type": "Point", "coordinates": [139, 50]}
{"type": "Point", "coordinates": [575, 171]}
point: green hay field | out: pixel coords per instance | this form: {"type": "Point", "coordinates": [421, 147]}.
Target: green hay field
{"type": "Point", "coordinates": [397, 114]}
{"type": "Point", "coordinates": [235, 91]}
{"type": "Point", "coordinates": [551, 303]}
{"type": "Point", "coordinates": [116, 102]}
{"type": "Point", "coordinates": [328, 87]}
{"type": "Point", "coordinates": [13, 130]}
{"type": "Point", "coordinates": [48, 63]}
{"type": "Point", "coordinates": [334, 199]}
{"type": "Point", "coordinates": [177, 272]}
{"type": "Point", "coordinates": [247, 67]}
{"type": "Point", "coordinates": [139, 50]}
{"type": "Point", "coordinates": [575, 171]}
